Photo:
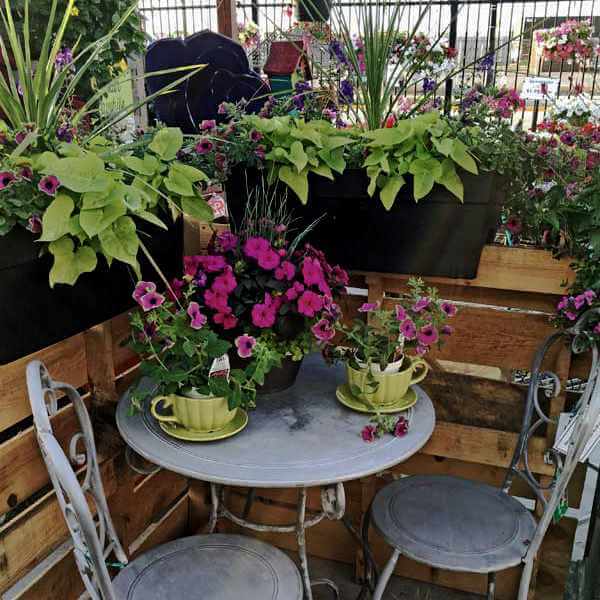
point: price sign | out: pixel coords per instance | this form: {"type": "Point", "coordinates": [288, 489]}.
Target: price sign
{"type": "Point", "coordinates": [539, 88]}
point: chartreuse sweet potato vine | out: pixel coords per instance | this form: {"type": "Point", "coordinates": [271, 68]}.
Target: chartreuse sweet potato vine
{"type": "Point", "coordinates": [423, 146]}
{"type": "Point", "coordinates": [100, 196]}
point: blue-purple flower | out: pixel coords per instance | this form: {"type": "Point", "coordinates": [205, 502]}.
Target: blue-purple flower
{"type": "Point", "coordinates": [346, 92]}
{"type": "Point", "coordinates": [486, 63]}
{"type": "Point", "coordinates": [337, 51]}
{"type": "Point", "coordinates": [428, 85]}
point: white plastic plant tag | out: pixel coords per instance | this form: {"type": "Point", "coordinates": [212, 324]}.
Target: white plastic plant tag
{"type": "Point", "coordinates": [564, 439]}
{"type": "Point", "coordinates": [220, 367]}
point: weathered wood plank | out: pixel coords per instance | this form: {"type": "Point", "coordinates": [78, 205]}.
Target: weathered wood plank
{"type": "Point", "coordinates": [124, 358]}
{"type": "Point", "coordinates": [66, 361]}
{"type": "Point", "coordinates": [100, 364]}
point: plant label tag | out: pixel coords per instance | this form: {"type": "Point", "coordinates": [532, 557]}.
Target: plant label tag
{"type": "Point", "coordinates": [539, 88]}
{"type": "Point", "coordinates": [564, 439]}
{"type": "Point", "coordinates": [220, 367]}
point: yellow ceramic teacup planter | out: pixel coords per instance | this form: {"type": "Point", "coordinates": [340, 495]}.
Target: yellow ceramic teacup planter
{"type": "Point", "coordinates": [390, 388]}
{"type": "Point", "coordinates": [194, 411]}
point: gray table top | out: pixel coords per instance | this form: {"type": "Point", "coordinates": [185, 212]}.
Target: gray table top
{"type": "Point", "coordinates": [301, 437]}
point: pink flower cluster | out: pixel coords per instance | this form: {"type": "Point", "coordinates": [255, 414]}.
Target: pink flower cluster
{"type": "Point", "coordinates": [570, 308]}
{"type": "Point", "coordinates": [571, 40]}
{"type": "Point", "coordinates": [250, 283]}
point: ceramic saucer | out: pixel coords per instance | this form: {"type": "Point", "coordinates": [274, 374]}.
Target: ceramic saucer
{"type": "Point", "coordinates": [234, 426]}
{"type": "Point", "coordinates": [344, 395]}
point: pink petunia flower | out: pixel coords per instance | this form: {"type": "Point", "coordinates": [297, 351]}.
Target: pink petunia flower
{"type": "Point", "coordinates": [571, 315]}
{"type": "Point", "coordinates": [245, 345]}
{"type": "Point", "coordinates": [589, 296]}
{"type": "Point", "coordinates": [401, 427]}
{"type": "Point", "coordinates": [212, 264]}
{"type": "Point", "coordinates": [312, 272]}
{"type": "Point", "coordinates": [323, 330]}
{"type": "Point", "coordinates": [340, 275]}
{"type": "Point", "coordinates": [151, 300]}
{"type": "Point", "coordinates": [263, 315]}
{"type": "Point", "coordinates": [208, 125]}
{"type": "Point", "coordinates": [401, 314]}
{"type": "Point", "coordinates": [255, 246]}
{"type": "Point", "coordinates": [216, 300]}
{"type": "Point", "coordinates": [408, 329]}
{"type": "Point", "coordinates": [564, 302]}
{"type": "Point", "coordinates": [198, 320]}
{"type": "Point", "coordinates": [447, 330]}
{"type": "Point", "coordinates": [225, 283]}
{"type": "Point", "coordinates": [579, 301]}
{"type": "Point", "coordinates": [269, 259]}
{"type": "Point", "coordinates": [226, 241]}
{"type": "Point", "coordinates": [190, 265]}
{"type": "Point", "coordinates": [309, 303]}
{"type": "Point", "coordinates": [34, 224]}
{"type": "Point", "coordinates": [26, 173]}
{"type": "Point", "coordinates": [427, 335]}
{"type": "Point", "coordinates": [142, 288]}
{"type": "Point", "coordinates": [369, 433]}
{"type": "Point", "coordinates": [368, 307]}
{"type": "Point", "coordinates": [204, 146]}
{"type": "Point", "coordinates": [285, 271]}
{"type": "Point", "coordinates": [421, 304]}
{"type": "Point", "coordinates": [6, 178]}
{"type": "Point", "coordinates": [226, 319]}
{"type": "Point", "coordinates": [421, 350]}
{"type": "Point", "coordinates": [49, 185]}
{"type": "Point", "coordinates": [449, 308]}
{"type": "Point", "coordinates": [294, 292]}
{"type": "Point", "coordinates": [597, 328]}
{"type": "Point", "coordinates": [177, 286]}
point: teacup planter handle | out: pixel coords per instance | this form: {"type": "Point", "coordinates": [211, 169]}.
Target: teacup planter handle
{"type": "Point", "coordinates": [421, 368]}
{"type": "Point", "coordinates": [167, 401]}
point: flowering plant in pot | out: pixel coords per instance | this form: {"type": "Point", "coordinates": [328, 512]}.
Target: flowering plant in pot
{"type": "Point", "coordinates": [376, 350]}
{"type": "Point", "coordinates": [263, 284]}
{"type": "Point", "coordinates": [184, 358]}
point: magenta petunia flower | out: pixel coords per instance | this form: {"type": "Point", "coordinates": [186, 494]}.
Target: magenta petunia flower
{"type": "Point", "coordinates": [245, 345]}
{"type": "Point", "coordinates": [369, 433]}
{"type": "Point", "coordinates": [427, 335]}
{"type": "Point", "coordinates": [514, 225]}
{"type": "Point", "coordinates": [421, 304]}
{"type": "Point", "coordinates": [6, 178]}
{"type": "Point", "coordinates": [597, 328]}
{"type": "Point", "coordinates": [212, 264]}
{"type": "Point", "coordinates": [571, 315]}
{"type": "Point", "coordinates": [190, 265]}
{"type": "Point", "coordinates": [368, 307]}
{"type": "Point", "coordinates": [227, 241]}
{"type": "Point", "coordinates": [34, 224]}
{"type": "Point", "coordinates": [208, 125]}
{"type": "Point", "coordinates": [226, 319]}
{"type": "Point", "coordinates": [150, 329]}
{"type": "Point", "coordinates": [323, 330]}
{"type": "Point", "coordinates": [408, 329]}
{"type": "Point", "coordinates": [263, 315]}
{"type": "Point", "coordinates": [268, 260]}
{"type": "Point", "coordinates": [293, 292]}
{"type": "Point", "coordinates": [200, 279]}
{"type": "Point", "coordinates": [401, 427]}
{"type": "Point", "coordinates": [589, 296]}
{"type": "Point", "coordinates": [447, 329]}
{"type": "Point", "coordinates": [142, 288]}
{"type": "Point", "coordinates": [421, 350]}
{"type": "Point", "coordinates": [151, 300]}
{"type": "Point", "coordinates": [449, 308]}
{"type": "Point", "coordinates": [198, 320]}
{"type": "Point", "coordinates": [312, 272]}
{"type": "Point", "coordinates": [204, 146]}
{"type": "Point", "coordinates": [401, 314]}
{"type": "Point", "coordinates": [177, 286]}
{"type": "Point", "coordinates": [26, 173]}
{"type": "Point", "coordinates": [579, 301]}
{"type": "Point", "coordinates": [281, 228]}
{"type": "Point", "coordinates": [285, 271]}
{"type": "Point", "coordinates": [216, 300]}
{"type": "Point", "coordinates": [564, 302]}
{"type": "Point", "coordinates": [49, 185]}
{"type": "Point", "coordinates": [255, 246]}
{"type": "Point", "coordinates": [225, 283]}
{"type": "Point", "coordinates": [309, 303]}
{"type": "Point", "coordinates": [256, 136]}
{"type": "Point", "coordinates": [340, 275]}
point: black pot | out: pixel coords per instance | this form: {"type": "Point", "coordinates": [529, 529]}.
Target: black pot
{"type": "Point", "coordinates": [34, 316]}
{"type": "Point", "coordinates": [437, 236]}
{"type": "Point", "coordinates": [313, 10]}
{"type": "Point", "coordinates": [281, 378]}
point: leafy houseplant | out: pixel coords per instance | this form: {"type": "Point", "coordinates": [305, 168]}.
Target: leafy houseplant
{"type": "Point", "coordinates": [179, 349]}
{"type": "Point", "coordinates": [263, 283]}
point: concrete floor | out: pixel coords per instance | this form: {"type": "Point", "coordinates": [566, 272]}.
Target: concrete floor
{"type": "Point", "coordinates": [399, 588]}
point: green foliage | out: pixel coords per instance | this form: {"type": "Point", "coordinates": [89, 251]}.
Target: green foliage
{"type": "Point", "coordinates": [103, 196]}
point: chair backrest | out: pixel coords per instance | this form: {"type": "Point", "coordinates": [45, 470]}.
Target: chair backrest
{"type": "Point", "coordinates": [587, 413]}
{"type": "Point", "coordinates": [93, 538]}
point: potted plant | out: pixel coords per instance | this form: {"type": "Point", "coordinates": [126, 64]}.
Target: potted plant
{"type": "Point", "coordinates": [262, 280]}
{"type": "Point", "coordinates": [69, 194]}
{"type": "Point", "coordinates": [378, 366]}
{"type": "Point", "coordinates": [187, 363]}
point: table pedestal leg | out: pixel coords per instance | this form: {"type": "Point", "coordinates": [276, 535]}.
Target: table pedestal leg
{"type": "Point", "coordinates": [215, 492]}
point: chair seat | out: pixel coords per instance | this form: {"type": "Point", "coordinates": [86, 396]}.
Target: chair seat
{"type": "Point", "coordinates": [211, 567]}
{"type": "Point", "coordinates": [454, 524]}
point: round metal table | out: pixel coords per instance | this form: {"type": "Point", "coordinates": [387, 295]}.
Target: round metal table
{"type": "Point", "coordinates": [300, 438]}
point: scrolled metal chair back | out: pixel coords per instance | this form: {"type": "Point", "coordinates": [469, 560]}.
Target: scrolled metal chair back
{"type": "Point", "coordinates": [94, 539]}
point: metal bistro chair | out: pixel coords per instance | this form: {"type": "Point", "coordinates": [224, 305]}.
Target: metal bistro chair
{"type": "Point", "coordinates": [207, 567]}
{"type": "Point", "coordinates": [459, 525]}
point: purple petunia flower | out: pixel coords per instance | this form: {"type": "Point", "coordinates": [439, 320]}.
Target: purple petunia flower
{"type": "Point", "coordinates": [255, 246]}
{"type": "Point", "coordinates": [142, 288]}
{"type": "Point", "coordinates": [64, 134]}
{"type": "Point", "coordinates": [421, 350]}
{"type": "Point", "coordinates": [204, 146]}
{"type": "Point", "coordinates": [428, 85]}
{"type": "Point", "coordinates": [421, 304]}
{"type": "Point", "coordinates": [346, 92]}
{"type": "Point", "coordinates": [486, 63]}
{"type": "Point", "coordinates": [447, 330]}
{"type": "Point", "coordinates": [6, 178]}
{"type": "Point", "coordinates": [337, 51]}
{"type": "Point", "coordinates": [309, 303]}
{"type": "Point", "coordinates": [26, 173]}
{"type": "Point", "coordinates": [400, 313]}
{"type": "Point", "coordinates": [34, 224]}
{"type": "Point", "coordinates": [369, 433]}
{"type": "Point", "coordinates": [20, 136]}
{"type": "Point", "coordinates": [151, 300]}
{"type": "Point", "coordinates": [256, 136]}
{"type": "Point", "coordinates": [245, 345]}
{"type": "Point", "coordinates": [64, 58]}
{"type": "Point", "coordinates": [401, 427]}
{"type": "Point", "coordinates": [408, 329]}
{"type": "Point", "coordinates": [449, 309]}
{"type": "Point", "coordinates": [368, 307]}
{"type": "Point", "coordinates": [208, 125]}
{"type": "Point", "coordinates": [226, 241]}
{"type": "Point", "coordinates": [49, 185]}
{"type": "Point", "coordinates": [269, 259]}
{"type": "Point", "coordinates": [568, 138]}
{"type": "Point", "coordinates": [427, 335]}
{"type": "Point", "coordinates": [198, 320]}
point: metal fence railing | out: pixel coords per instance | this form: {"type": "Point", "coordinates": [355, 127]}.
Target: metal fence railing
{"type": "Point", "coordinates": [474, 27]}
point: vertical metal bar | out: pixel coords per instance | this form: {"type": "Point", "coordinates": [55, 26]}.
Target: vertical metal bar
{"type": "Point", "coordinates": [452, 43]}
{"type": "Point", "coordinates": [490, 76]}
{"type": "Point", "coordinates": [301, 537]}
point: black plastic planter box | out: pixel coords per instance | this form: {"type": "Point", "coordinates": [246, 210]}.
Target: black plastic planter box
{"type": "Point", "coordinates": [34, 316]}
{"type": "Point", "coordinates": [438, 236]}
{"type": "Point", "coordinates": [313, 10]}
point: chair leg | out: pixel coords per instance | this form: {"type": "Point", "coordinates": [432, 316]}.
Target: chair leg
{"type": "Point", "coordinates": [491, 586]}
{"type": "Point", "coordinates": [385, 576]}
